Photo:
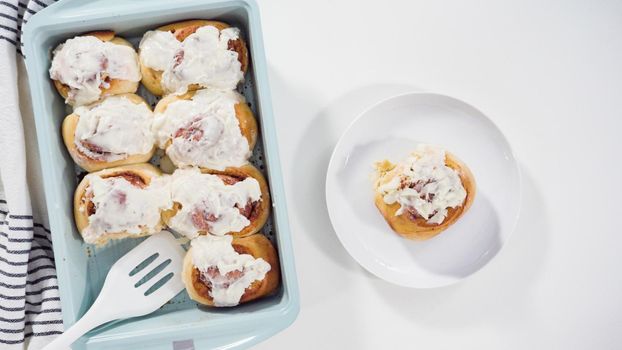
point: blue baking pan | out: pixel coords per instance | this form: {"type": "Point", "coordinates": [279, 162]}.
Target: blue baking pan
{"type": "Point", "coordinates": [81, 268]}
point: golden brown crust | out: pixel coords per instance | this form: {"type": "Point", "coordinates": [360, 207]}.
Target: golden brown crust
{"type": "Point", "coordinates": [103, 35]}
{"type": "Point", "coordinates": [262, 210]}
{"type": "Point", "coordinates": [152, 79]}
{"type": "Point", "coordinates": [183, 29]}
{"type": "Point", "coordinates": [69, 129]}
{"type": "Point", "coordinates": [81, 202]}
{"type": "Point", "coordinates": [419, 229]}
{"type": "Point", "coordinates": [116, 86]}
{"type": "Point", "coordinates": [246, 119]}
{"type": "Point", "coordinates": [256, 245]}
{"type": "Point", "coordinates": [264, 205]}
{"type": "Point", "coordinates": [248, 124]}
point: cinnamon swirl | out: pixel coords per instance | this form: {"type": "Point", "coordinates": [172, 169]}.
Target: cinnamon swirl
{"type": "Point", "coordinates": [424, 194]}
{"type": "Point", "coordinates": [190, 55]}
{"type": "Point", "coordinates": [112, 132]}
{"type": "Point", "coordinates": [208, 128]}
{"type": "Point", "coordinates": [234, 201]}
{"type": "Point", "coordinates": [226, 271]}
{"type": "Point", "coordinates": [120, 202]}
{"type": "Point", "coordinates": [92, 65]}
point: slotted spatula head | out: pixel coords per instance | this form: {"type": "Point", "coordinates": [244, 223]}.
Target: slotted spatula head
{"type": "Point", "coordinates": [144, 279]}
{"type": "Point", "coordinates": [137, 284]}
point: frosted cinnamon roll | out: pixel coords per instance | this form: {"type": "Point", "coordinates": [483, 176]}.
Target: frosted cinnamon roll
{"type": "Point", "coordinates": [226, 271]}
{"type": "Point", "coordinates": [112, 132]}
{"type": "Point", "coordinates": [191, 55]}
{"type": "Point", "coordinates": [424, 194]}
{"type": "Point", "coordinates": [92, 65]}
{"type": "Point", "coordinates": [235, 201]}
{"type": "Point", "coordinates": [121, 202]}
{"type": "Point", "coordinates": [208, 128]}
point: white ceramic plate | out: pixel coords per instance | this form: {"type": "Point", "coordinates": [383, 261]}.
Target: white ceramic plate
{"type": "Point", "coordinates": [390, 130]}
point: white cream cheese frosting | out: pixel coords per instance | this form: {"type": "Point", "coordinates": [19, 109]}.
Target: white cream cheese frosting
{"type": "Point", "coordinates": [85, 63]}
{"type": "Point", "coordinates": [203, 131]}
{"type": "Point", "coordinates": [227, 272]}
{"type": "Point", "coordinates": [114, 129]}
{"type": "Point", "coordinates": [208, 204]}
{"type": "Point", "coordinates": [426, 185]}
{"type": "Point", "coordinates": [121, 206]}
{"type": "Point", "coordinates": [203, 58]}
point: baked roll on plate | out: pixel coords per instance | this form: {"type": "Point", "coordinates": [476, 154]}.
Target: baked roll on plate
{"type": "Point", "coordinates": [209, 128]}
{"type": "Point", "coordinates": [190, 55]}
{"type": "Point", "coordinates": [226, 271]}
{"type": "Point", "coordinates": [424, 194]}
{"type": "Point", "coordinates": [120, 202]}
{"type": "Point", "coordinates": [92, 65]}
{"type": "Point", "coordinates": [112, 132]}
{"type": "Point", "coordinates": [481, 213]}
{"type": "Point", "coordinates": [234, 201]}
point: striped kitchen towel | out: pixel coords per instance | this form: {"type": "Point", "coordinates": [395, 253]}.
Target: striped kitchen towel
{"type": "Point", "coordinates": [30, 314]}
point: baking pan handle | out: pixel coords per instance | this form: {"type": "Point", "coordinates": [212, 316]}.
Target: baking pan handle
{"type": "Point", "coordinates": [73, 8]}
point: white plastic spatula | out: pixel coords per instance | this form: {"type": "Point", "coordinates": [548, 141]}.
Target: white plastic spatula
{"type": "Point", "coordinates": [137, 284]}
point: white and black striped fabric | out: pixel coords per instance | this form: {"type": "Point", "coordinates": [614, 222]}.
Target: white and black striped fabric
{"type": "Point", "coordinates": [14, 14]}
{"type": "Point", "coordinates": [30, 313]}
{"type": "Point", "coordinates": [29, 301]}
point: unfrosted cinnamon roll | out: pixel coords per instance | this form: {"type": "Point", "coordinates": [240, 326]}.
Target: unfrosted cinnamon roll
{"type": "Point", "coordinates": [424, 194]}
{"type": "Point", "coordinates": [121, 202]}
{"type": "Point", "coordinates": [92, 65]}
{"type": "Point", "coordinates": [226, 271]}
{"type": "Point", "coordinates": [212, 129]}
{"type": "Point", "coordinates": [234, 201]}
{"type": "Point", "coordinates": [112, 132]}
{"type": "Point", "coordinates": [190, 55]}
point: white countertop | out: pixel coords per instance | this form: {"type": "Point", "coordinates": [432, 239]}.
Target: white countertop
{"type": "Point", "coordinates": [549, 74]}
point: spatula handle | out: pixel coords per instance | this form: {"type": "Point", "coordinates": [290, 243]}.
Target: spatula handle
{"type": "Point", "coordinates": [89, 321]}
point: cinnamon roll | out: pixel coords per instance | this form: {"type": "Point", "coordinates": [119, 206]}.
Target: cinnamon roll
{"type": "Point", "coordinates": [191, 55]}
{"type": "Point", "coordinates": [92, 65]}
{"type": "Point", "coordinates": [212, 129]}
{"type": "Point", "coordinates": [425, 193]}
{"type": "Point", "coordinates": [226, 271]}
{"type": "Point", "coordinates": [112, 132]}
{"type": "Point", "coordinates": [121, 202]}
{"type": "Point", "coordinates": [234, 201]}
